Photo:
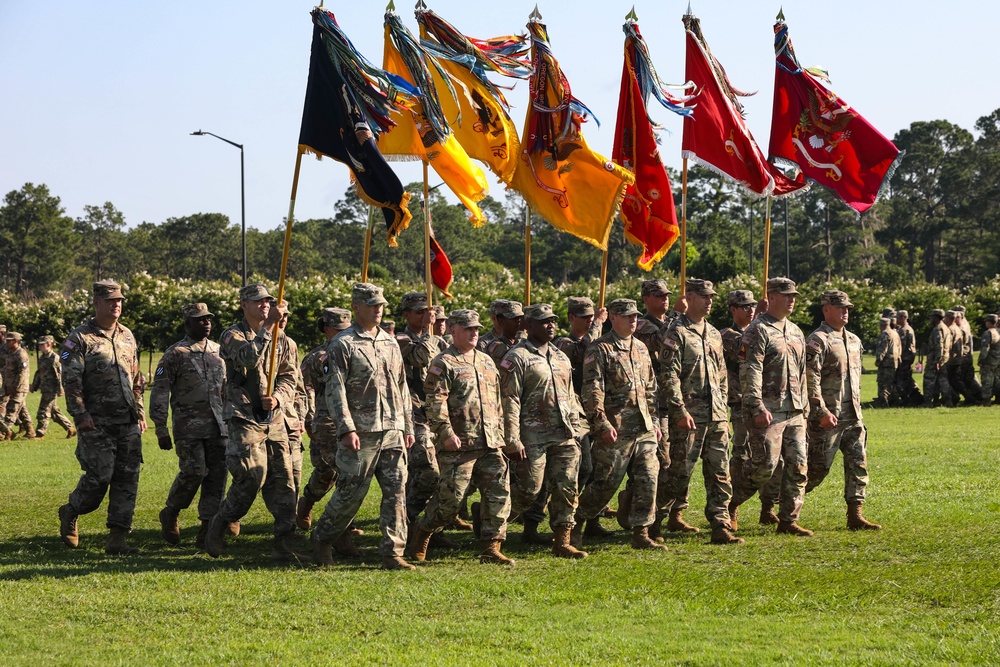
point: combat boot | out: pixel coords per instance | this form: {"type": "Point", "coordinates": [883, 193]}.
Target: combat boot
{"type": "Point", "coordinates": [491, 554]}
{"type": "Point", "coordinates": [531, 536]}
{"type": "Point", "coordinates": [215, 540]}
{"type": "Point", "coordinates": [561, 546]}
{"type": "Point", "coordinates": [282, 552]}
{"type": "Point", "coordinates": [440, 541]}
{"type": "Point", "coordinates": [396, 563]}
{"type": "Point", "coordinates": [640, 539]}
{"type": "Point", "coordinates": [67, 527]}
{"type": "Point", "coordinates": [855, 521]}
{"type": "Point", "coordinates": [199, 539]}
{"type": "Point", "coordinates": [576, 535]}
{"type": "Point", "coordinates": [792, 528]}
{"type": "Point", "coordinates": [624, 508]}
{"type": "Point", "coordinates": [71, 433]}
{"type": "Point", "coordinates": [323, 554]}
{"type": "Point", "coordinates": [169, 527]}
{"type": "Point", "coordinates": [734, 511]}
{"type": "Point", "coordinates": [354, 530]}
{"type": "Point", "coordinates": [39, 433]}
{"type": "Point", "coordinates": [419, 544]}
{"type": "Point", "coordinates": [721, 535]}
{"type": "Point", "coordinates": [677, 524]}
{"type": "Point", "coordinates": [458, 523]}
{"type": "Point", "coordinates": [303, 513]}
{"type": "Point", "coordinates": [595, 529]}
{"type": "Point", "coordinates": [655, 531]}
{"type": "Point", "coordinates": [116, 544]}
{"type": "Point", "coordinates": [344, 546]}
{"type": "Point", "coordinates": [477, 520]}
{"type": "Point", "coordinates": [234, 529]}
{"type": "Point", "coordinates": [767, 515]}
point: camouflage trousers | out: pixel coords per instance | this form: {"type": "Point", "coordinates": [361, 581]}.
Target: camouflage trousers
{"type": "Point", "coordinates": [936, 382]}
{"type": "Point", "coordinates": [990, 376]}
{"type": "Point", "coordinates": [709, 441]}
{"type": "Point", "coordinates": [552, 470]}
{"type": "Point", "coordinates": [886, 385]}
{"type": "Point", "coordinates": [955, 381]}
{"type": "Point", "coordinates": [635, 455]}
{"type": "Point", "coordinates": [741, 454]}
{"type": "Point", "coordinates": [663, 499]}
{"type": "Point", "coordinates": [382, 456]}
{"type": "Point", "coordinates": [423, 474]}
{"type": "Point", "coordinates": [905, 386]}
{"type": "Point", "coordinates": [110, 457]}
{"type": "Point", "coordinates": [968, 374]}
{"type": "Point", "coordinates": [259, 460]}
{"type": "Point", "coordinates": [295, 450]}
{"type": "Point", "coordinates": [323, 456]}
{"type": "Point", "coordinates": [14, 411]}
{"type": "Point", "coordinates": [850, 437]}
{"type": "Point", "coordinates": [784, 441]}
{"type": "Point", "coordinates": [49, 407]}
{"type": "Point", "coordinates": [489, 471]}
{"type": "Point", "coordinates": [536, 512]}
{"type": "Point", "coordinates": [202, 464]}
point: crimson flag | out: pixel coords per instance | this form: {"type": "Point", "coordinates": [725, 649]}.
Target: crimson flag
{"type": "Point", "coordinates": [440, 267]}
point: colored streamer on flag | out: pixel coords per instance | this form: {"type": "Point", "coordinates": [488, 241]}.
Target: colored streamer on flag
{"type": "Point", "coordinates": [823, 137]}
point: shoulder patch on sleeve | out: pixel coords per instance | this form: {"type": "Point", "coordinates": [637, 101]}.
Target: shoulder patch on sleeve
{"type": "Point", "coordinates": [506, 364]}
{"type": "Point", "coordinates": [669, 342]}
{"type": "Point", "coordinates": [813, 343]}
{"type": "Point", "coordinates": [69, 344]}
{"type": "Point", "coordinates": [589, 359]}
{"type": "Point", "coordinates": [743, 351]}
{"type": "Point", "coordinates": [435, 369]}
{"type": "Point", "coordinates": [493, 346]}
{"type": "Point", "coordinates": [227, 336]}
{"type": "Point", "coordinates": [159, 370]}
{"type": "Point", "coordinates": [402, 338]}
{"type": "Point", "coordinates": [640, 325]}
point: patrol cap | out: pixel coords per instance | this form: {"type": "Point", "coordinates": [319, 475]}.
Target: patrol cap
{"type": "Point", "coordinates": [338, 318]}
{"type": "Point", "coordinates": [580, 306]}
{"type": "Point", "coordinates": [195, 311]}
{"type": "Point", "coordinates": [902, 313]}
{"type": "Point", "coordinates": [464, 318]}
{"type": "Point", "coordinates": [991, 318]}
{"type": "Point", "coordinates": [439, 313]}
{"type": "Point", "coordinates": [624, 307]}
{"type": "Point", "coordinates": [108, 289]}
{"type": "Point", "coordinates": [889, 312]}
{"type": "Point", "coordinates": [508, 309]}
{"type": "Point", "coordinates": [700, 287]}
{"type": "Point", "coordinates": [937, 312]}
{"type": "Point", "coordinates": [414, 301]}
{"type": "Point", "coordinates": [13, 335]}
{"type": "Point", "coordinates": [883, 321]}
{"type": "Point", "coordinates": [655, 287]}
{"type": "Point", "coordinates": [950, 313]}
{"type": "Point", "coordinates": [254, 292]}
{"type": "Point", "coordinates": [46, 339]}
{"type": "Point", "coordinates": [959, 309]}
{"type": "Point", "coordinates": [540, 312]}
{"type": "Point", "coordinates": [368, 294]}
{"type": "Point", "coordinates": [835, 297]}
{"type": "Point", "coordinates": [741, 297]}
{"type": "Point", "coordinates": [781, 286]}
{"type": "Point", "coordinates": [388, 325]}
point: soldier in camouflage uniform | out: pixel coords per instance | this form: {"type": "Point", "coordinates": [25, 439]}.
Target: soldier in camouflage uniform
{"type": "Point", "coordinates": [320, 426]}
{"type": "Point", "coordinates": [954, 366]}
{"type": "Point", "coordinates": [15, 387]}
{"type": "Point", "coordinates": [258, 455]}
{"type": "Point", "coordinates": [773, 380]}
{"type": "Point", "coordinates": [887, 354]}
{"type": "Point", "coordinates": [967, 371]}
{"type": "Point", "coordinates": [906, 388]}
{"type": "Point", "coordinates": [440, 325]}
{"type": "Point", "coordinates": [833, 374]}
{"type": "Point", "coordinates": [464, 413]}
{"type": "Point", "coordinates": [619, 397]}
{"type": "Point", "coordinates": [48, 379]}
{"type": "Point", "coordinates": [507, 319]}
{"type": "Point", "coordinates": [368, 399]}
{"type": "Point", "coordinates": [693, 386]}
{"type": "Point", "coordinates": [989, 359]}
{"type": "Point", "coordinates": [935, 370]}
{"type": "Point", "coordinates": [190, 379]}
{"type": "Point", "coordinates": [104, 385]}
{"type": "Point", "coordinates": [295, 411]}
{"type": "Point", "coordinates": [543, 423]}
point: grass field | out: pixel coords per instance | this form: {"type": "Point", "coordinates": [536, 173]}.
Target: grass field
{"type": "Point", "coordinates": [925, 590]}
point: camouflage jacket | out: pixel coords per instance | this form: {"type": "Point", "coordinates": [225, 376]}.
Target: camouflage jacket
{"type": "Point", "coordinates": [966, 343]}
{"type": "Point", "coordinates": [190, 376]}
{"type": "Point", "coordinates": [887, 349]}
{"type": "Point", "coordinates": [833, 367]}
{"type": "Point", "coordinates": [989, 353]}
{"type": "Point", "coordinates": [619, 388]}
{"type": "Point", "coordinates": [693, 379]}
{"type": "Point", "coordinates": [417, 350]}
{"type": "Point", "coordinates": [907, 344]}
{"type": "Point", "coordinates": [773, 367]}
{"type": "Point", "coordinates": [463, 399]}
{"type": "Point", "coordinates": [247, 354]}
{"type": "Point", "coordinates": [731, 337]}
{"type": "Point", "coordinates": [650, 330]}
{"type": "Point", "coordinates": [939, 345]}
{"type": "Point", "coordinates": [539, 404]}
{"type": "Point", "coordinates": [495, 345]}
{"type": "Point", "coordinates": [314, 378]}
{"type": "Point", "coordinates": [101, 374]}
{"type": "Point", "coordinates": [366, 388]}
{"type": "Point", "coordinates": [295, 410]}
{"type": "Point", "coordinates": [956, 345]}
{"type": "Point", "coordinates": [48, 376]}
{"type": "Point", "coordinates": [576, 350]}
{"type": "Point", "coordinates": [15, 372]}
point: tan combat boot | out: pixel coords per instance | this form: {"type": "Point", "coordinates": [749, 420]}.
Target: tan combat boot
{"type": "Point", "coordinates": [734, 511]}
{"type": "Point", "coordinates": [561, 546]}
{"type": "Point", "coordinates": [234, 529]}
{"type": "Point", "coordinates": [323, 554]}
{"type": "Point", "coordinates": [491, 554]}
{"type": "Point", "coordinates": [624, 508]}
{"type": "Point", "coordinates": [344, 546]}
{"type": "Point", "coordinates": [67, 527]}
{"type": "Point", "coordinates": [354, 530]}
{"type": "Point", "coordinates": [677, 524]}
{"type": "Point", "coordinates": [396, 563]}
{"type": "Point", "coordinates": [116, 544]}
{"type": "Point", "coordinates": [855, 521]}
{"type": "Point", "coordinates": [169, 527]}
{"type": "Point", "coordinates": [215, 540]}
{"type": "Point", "coordinates": [721, 535]}
{"type": "Point", "coordinates": [655, 531]}
{"type": "Point", "coordinates": [792, 528]}
{"type": "Point", "coordinates": [640, 539]}
{"type": "Point", "coordinates": [282, 552]}
{"type": "Point", "coordinates": [303, 514]}
{"type": "Point", "coordinates": [576, 535]}
{"type": "Point", "coordinates": [458, 523]}
{"type": "Point", "coordinates": [419, 543]}
{"type": "Point", "coordinates": [531, 536]}
{"type": "Point", "coordinates": [767, 515]}
{"type": "Point", "coordinates": [71, 433]}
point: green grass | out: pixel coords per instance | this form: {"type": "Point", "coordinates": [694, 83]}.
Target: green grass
{"type": "Point", "coordinates": [925, 590]}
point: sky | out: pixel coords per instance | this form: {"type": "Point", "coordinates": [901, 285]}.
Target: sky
{"type": "Point", "coordinates": [100, 97]}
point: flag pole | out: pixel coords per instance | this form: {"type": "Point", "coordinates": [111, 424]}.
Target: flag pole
{"type": "Point", "coordinates": [527, 254]}
{"type": "Point", "coordinates": [604, 279]}
{"type": "Point", "coordinates": [767, 238]}
{"type": "Point", "coordinates": [368, 247]}
{"type": "Point", "coordinates": [684, 222]}
{"type": "Point", "coordinates": [284, 269]}
{"type": "Point", "coordinates": [427, 241]}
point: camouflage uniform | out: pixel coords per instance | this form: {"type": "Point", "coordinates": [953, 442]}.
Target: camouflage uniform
{"type": "Point", "coordinates": [48, 379]}
{"type": "Point", "coordinates": [887, 356]}
{"type": "Point", "coordinates": [294, 413]}
{"type": "Point", "coordinates": [905, 386]}
{"type": "Point", "coordinates": [190, 377]}
{"type": "Point", "coordinates": [366, 394]}
{"type": "Point", "coordinates": [494, 343]}
{"type": "Point", "coordinates": [772, 377]}
{"type": "Point", "coordinates": [102, 378]}
{"type": "Point", "coordinates": [954, 366]}
{"type": "Point", "coordinates": [15, 387]}
{"type": "Point", "coordinates": [619, 391]}
{"type": "Point", "coordinates": [967, 370]}
{"type": "Point", "coordinates": [989, 361]}
{"type": "Point", "coordinates": [935, 371]}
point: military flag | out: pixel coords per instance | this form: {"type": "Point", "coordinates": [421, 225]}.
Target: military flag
{"type": "Point", "coordinates": [440, 267]}
{"type": "Point", "coordinates": [823, 137]}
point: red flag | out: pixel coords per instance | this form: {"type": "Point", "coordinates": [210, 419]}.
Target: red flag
{"type": "Point", "coordinates": [717, 136]}
{"type": "Point", "coordinates": [440, 267]}
{"type": "Point", "coordinates": [824, 137]}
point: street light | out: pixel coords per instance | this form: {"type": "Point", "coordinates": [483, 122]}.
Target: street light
{"type": "Point", "coordinates": [243, 198]}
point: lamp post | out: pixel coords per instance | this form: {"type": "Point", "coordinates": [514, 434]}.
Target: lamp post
{"type": "Point", "coordinates": [243, 199]}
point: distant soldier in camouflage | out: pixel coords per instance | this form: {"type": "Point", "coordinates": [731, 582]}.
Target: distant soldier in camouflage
{"type": "Point", "coordinates": [295, 411]}
{"type": "Point", "coordinates": [388, 326]}
{"type": "Point", "coordinates": [48, 379]}
{"type": "Point", "coordinates": [104, 385]}
{"type": "Point", "coordinates": [773, 380]}
{"type": "Point", "coordinates": [938, 352]}
{"type": "Point", "coordinates": [543, 423]}
{"type": "Point", "coordinates": [906, 388]}
{"type": "Point", "coordinates": [258, 455]}
{"type": "Point", "coordinates": [694, 389]}
{"type": "Point", "coordinates": [368, 399]}
{"type": "Point", "coordinates": [967, 371]}
{"type": "Point", "coordinates": [507, 319]}
{"type": "Point", "coordinates": [953, 367]}
{"type": "Point", "coordinates": [464, 413]}
{"type": "Point", "coordinates": [190, 379]}
{"type": "Point", "coordinates": [833, 374]}
{"type": "Point", "coordinates": [619, 397]}
{"type": "Point", "coordinates": [887, 354]}
{"type": "Point", "coordinates": [989, 359]}
{"type": "Point", "coordinates": [440, 326]}
{"type": "Point", "coordinates": [320, 425]}
{"type": "Point", "coordinates": [16, 382]}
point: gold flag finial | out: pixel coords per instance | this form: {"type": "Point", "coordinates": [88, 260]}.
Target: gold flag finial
{"type": "Point", "coordinates": [535, 15]}
{"type": "Point", "coordinates": [420, 7]}
{"type": "Point", "coordinates": [631, 16]}
{"type": "Point", "coordinates": [780, 18]}
{"type": "Point", "coordinates": [391, 7]}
